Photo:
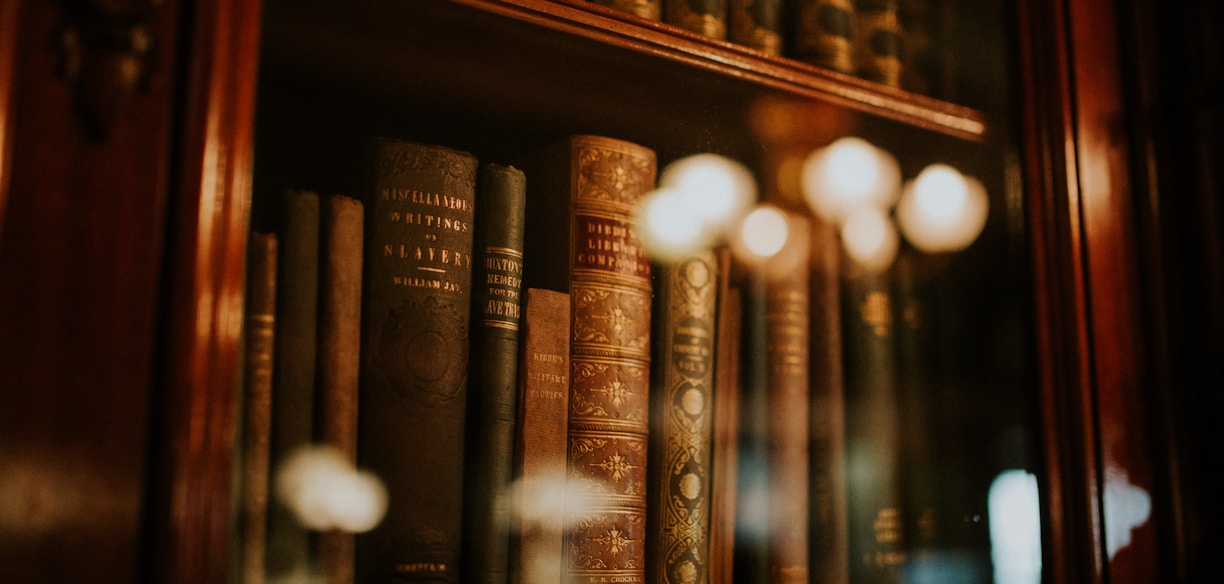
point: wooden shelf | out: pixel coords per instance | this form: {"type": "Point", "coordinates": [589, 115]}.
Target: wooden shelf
{"type": "Point", "coordinates": [568, 64]}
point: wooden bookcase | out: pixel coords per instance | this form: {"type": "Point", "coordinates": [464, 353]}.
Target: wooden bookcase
{"type": "Point", "coordinates": [125, 204]}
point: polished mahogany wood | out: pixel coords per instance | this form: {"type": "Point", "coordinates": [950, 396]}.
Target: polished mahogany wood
{"type": "Point", "coordinates": [8, 63]}
{"type": "Point", "coordinates": [80, 271]}
{"type": "Point", "coordinates": [197, 417]}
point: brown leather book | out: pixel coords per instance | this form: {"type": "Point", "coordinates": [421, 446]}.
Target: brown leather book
{"type": "Point", "coordinates": [541, 438]}
{"type": "Point", "coordinates": [723, 459]}
{"type": "Point", "coordinates": [787, 358]}
{"type": "Point", "coordinates": [704, 17]}
{"type": "Point", "coordinates": [756, 24]}
{"type": "Point", "coordinates": [341, 241]}
{"type": "Point", "coordinates": [257, 403]}
{"type": "Point", "coordinates": [581, 239]}
{"type": "Point", "coordinates": [681, 408]}
{"type": "Point", "coordinates": [415, 357]}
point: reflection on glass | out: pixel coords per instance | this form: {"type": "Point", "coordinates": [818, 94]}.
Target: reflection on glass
{"type": "Point", "coordinates": [1015, 528]}
{"type": "Point", "coordinates": [848, 174]}
{"type": "Point", "coordinates": [870, 238]}
{"type": "Point", "coordinates": [1127, 507]}
{"type": "Point", "coordinates": [942, 210]}
{"type": "Point", "coordinates": [326, 492]}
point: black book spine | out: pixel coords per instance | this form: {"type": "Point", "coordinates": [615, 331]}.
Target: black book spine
{"type": "Point", "coordinates": [493, 397]}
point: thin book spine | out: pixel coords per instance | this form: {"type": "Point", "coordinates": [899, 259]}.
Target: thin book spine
{"type": "Point", "coordinates": [787, 334]}
{"type": "Point", "coordinates": [724, 469]}
{"type": "Point", "coordinates": [681, 432]}
{"type": "Point", "coordinates": [257, 403]}
{"type": "Point", "coordinates": [830, 555]}
{"type": "Point", "coordinates": [415, 327]}
{"type": "Point", "coordinates": [339, 357]}
{"type": "Point", "coordinates": [541, 438]}
{"type": "Point", "coordinates": [875, 516]}
{"type": "Point", "coordinates": [501, 198]}
{"type": "Point", "coordinates": [297, 306]}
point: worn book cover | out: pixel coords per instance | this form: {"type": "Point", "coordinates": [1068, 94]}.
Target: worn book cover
{"type": "Point", "coordinates": [293, 392]}
{"type": "Point", "coordinates": [681, 429]}
{"type": "Point", "coordinates": [501, 197]}
{"type": "Point", "coordinates": [582, 239]}
{"type": "Point", "coordinates": [415, 328]}
{"type": "Point", "coordinates": [340, 259]}
{"type": "Point", "coordinates": [541, 438]}
{"type": "Point", "coordinates": [257, 403]}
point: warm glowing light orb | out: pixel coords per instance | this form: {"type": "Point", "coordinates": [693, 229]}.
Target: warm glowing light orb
{"type": "Point", "coordinates": [718, 188]}
{"type": "Point", "coordinates": [942, 210]}
{"type": "Point", "coordinates": [764, 231]}
{"type": "Point", "coordinates": [325, 491]}
{"type": "Point", "coordinates": [870, 239]}
{"type": "Point", "coordinates": [670, 225]}
{"type": "Point", "coordinates": [848, 174]}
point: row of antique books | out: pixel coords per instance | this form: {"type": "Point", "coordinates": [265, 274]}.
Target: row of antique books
{"type": "Point", "coordinates": [542, 400]}
{"type": "Point", "coordinates": [897, 43]}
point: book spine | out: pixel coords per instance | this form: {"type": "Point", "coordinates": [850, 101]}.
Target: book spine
{"type": "Point", "coordinates": [919, 59]}
{"type": "Point", "coordinates": [608, 278]}
{"type": "Point", "coordinates": [501, 198]}
{"type": "Point", "coordinates": [830, 557]}
{"type": "Point", "coordinates": [756, 24]}
{"type": "Point", "coordinates": [257, 406]}
{"type": "Point", "coordinates": [787, 332]}
{"type": "Point", "coordinates": [648, 9]}
{"type": "Point", "coordinates": [878, 41]}
{"type": "Point", "coordinates": [414, 365]}
{"type": "Point", "coordinates": [341, 236]}
{"type": "Point", "coordinates": [540, 442]}
{"type": "Point", "coordinates": [681, 429]}
{"type": "Point", "coordinates": [875, 517]}
{"type": "Point", "coordinates": [297, 305]}
{"type": "Point", "coordinates": [704, 17]}
{"type": "Point", "coordinates": [723, 467]}
{"type": "Point", "coordinates": [824, 34]}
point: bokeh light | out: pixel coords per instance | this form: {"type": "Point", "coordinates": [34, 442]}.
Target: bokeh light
{"type": "Point", "coordinates": [670, 225]}
{"type": "Point", "coordinates": [942, 210]}
{"type": "Point", "coordinates": [325, 491]}
{"type": "Point", "coordinates": [870, 238]}
{"type": "Point", "coordinates": [764, 231]}
{"type": "Point", "coordinates": [717, 188]}
{"type": "Point", "coordinates": [848, 174]}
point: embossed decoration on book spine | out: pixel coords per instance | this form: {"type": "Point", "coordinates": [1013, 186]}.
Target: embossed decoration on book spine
{"type": "Point", "coordinates": [416, 312]}
{"type": "Point", "coordinates": [610, 292]}
{"type": "Point", "coordinates": [756, 24]}
{"type": "Point", "coordinates": [824, 34]}
{"type": "Point", "coordinates": [681, 412]}
{"type": "Point", "coordinates": [704, 17]}
{"type": "Point", "coordinates": [878, 44]}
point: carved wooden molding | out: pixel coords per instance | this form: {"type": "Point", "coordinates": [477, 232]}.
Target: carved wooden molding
{"type": "Point", "coordinates": [106, 52]}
